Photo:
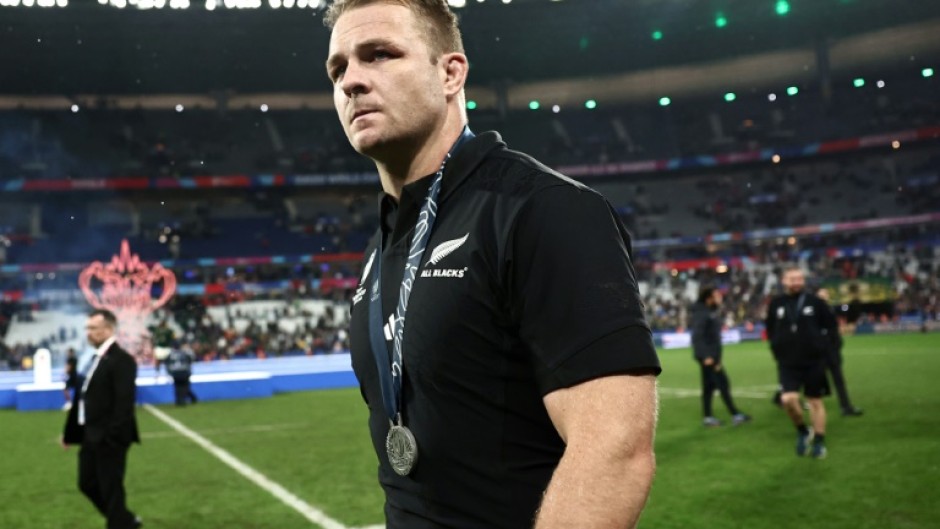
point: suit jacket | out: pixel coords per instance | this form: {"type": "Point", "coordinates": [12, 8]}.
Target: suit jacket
{"type": "Point", "coordinates": [109, 403]}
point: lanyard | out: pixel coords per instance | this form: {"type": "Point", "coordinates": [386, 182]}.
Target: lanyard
{"type": "Point", "coordinates": [391, 379]}
{"type": "Point", "coordinates": [795, 316]}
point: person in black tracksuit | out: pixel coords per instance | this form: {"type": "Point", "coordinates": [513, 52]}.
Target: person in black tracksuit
{"type": "Point", "coordinates": [73, 379]}
{"type": "Point", "coordinates": [705, 326]}
{"type": "Point", "coordinates": [834, 366]}
{"type": "Point", "coordinates": [799, 327]}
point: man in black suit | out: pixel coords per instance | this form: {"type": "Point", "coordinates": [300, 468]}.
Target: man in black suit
{"type": "Point", "coordinates": [102, 420]}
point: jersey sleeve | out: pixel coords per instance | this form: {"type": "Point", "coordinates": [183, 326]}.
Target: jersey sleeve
{"type": "Point", "coordinates": [573, 290]}
{"type": "Point", "coordinates": [770, 322]}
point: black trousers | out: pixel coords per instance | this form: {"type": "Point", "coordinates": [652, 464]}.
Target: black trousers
{"type": "Point", "coordinates": [182, 390]}
{"type": "Point", "coordinates": [712, 380]}
{"type": "Point", "coordinates": [834, 365]}
{"type": "Point", "coordinates": [101, 469]}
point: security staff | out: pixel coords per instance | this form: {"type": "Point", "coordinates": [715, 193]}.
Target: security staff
{"type": "Point", "coordinates": [179, 364]}
{"type": "Point", "coordinates": [799, 326]}
{"type": "Point", "coordinates": [497, 333]}
{"type": "Point", "coordinates": [705, 327]}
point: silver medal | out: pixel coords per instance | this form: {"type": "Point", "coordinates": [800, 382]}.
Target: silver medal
{"type": "Point", "coordinates": [402, 449]}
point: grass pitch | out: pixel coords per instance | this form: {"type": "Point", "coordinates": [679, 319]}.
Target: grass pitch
{"type": "Point", "coordinates": [883, 469]}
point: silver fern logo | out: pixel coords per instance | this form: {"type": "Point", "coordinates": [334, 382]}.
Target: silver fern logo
{"type": "Point", "coordinates": [446, 248]}
{"type": "Point", "coordinates": [440, 252]}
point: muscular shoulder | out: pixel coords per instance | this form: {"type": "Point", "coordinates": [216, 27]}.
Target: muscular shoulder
{"type": "Point", "coordinates": [521, 176]}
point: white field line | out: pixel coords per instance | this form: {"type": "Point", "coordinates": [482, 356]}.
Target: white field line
{"type": "Point", "coordinates": [305, 509]}
{"type": "Point", "coordinates": [753, 392]}
{"type": "Point", "coordinates": [259, 428]}
{"type": "Point", "coordinates": [847, 355]}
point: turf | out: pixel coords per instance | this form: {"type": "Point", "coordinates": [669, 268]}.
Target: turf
{"type": "Point", "coordinates": [882, 469]}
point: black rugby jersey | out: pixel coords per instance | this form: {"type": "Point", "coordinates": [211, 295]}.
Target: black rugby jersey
{"type": "Point", "coordinates": [526, 287]}
{"type": "Point", "coordinates": [800, 334]}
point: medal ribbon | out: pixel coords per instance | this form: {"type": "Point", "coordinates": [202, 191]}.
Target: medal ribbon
{"type": "Point", "coordinates": [795, 316]}
{"type": "Point", "coordinates": [391, 385]}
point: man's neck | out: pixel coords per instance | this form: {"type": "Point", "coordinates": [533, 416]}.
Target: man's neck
{"type": "Point", "coordinates": [415, 163]}
{"type": "Point", "coordinates": [105, 345]}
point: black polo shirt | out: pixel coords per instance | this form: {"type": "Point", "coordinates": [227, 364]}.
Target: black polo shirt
{"type": "Point", "coordinates": [526, 287]}
{"type": "Point", "coordinates": [800, 334]}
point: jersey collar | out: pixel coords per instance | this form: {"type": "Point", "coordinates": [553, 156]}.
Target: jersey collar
{"type": "Point", "coordinates": [397, 220]}
{"type": "Point", "coordinates": [467, 159]}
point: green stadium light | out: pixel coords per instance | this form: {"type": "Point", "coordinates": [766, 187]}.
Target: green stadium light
{"type": "Point", "coordinates": [927, 72]}
{"type": "Point", "coordinates": [858, 82]}
{"type": "Point", "coordinates": [729, 97]}
{"type": "Point", "coordinates": [664, 101]}
{"type": "Point", "coordinates": [657, 35]}
{"type": "Point", "coordinates": [534, 105]}
{"type": "Point", "coordinates": [590, 104]}
{"type": "Point", "coordinates": [792, 91]}
{"type": "Point", "coordinates": [782, 7]}
{"type": "Point", "coordinates": [471, 105]}
{"type": "Point", "coordinates": [720, 20]}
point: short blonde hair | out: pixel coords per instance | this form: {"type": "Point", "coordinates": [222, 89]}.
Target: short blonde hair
{"type": "Point", "coordinates": [441, 30]}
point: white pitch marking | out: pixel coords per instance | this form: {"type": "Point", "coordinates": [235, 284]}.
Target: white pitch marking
{"type": "Point", "coordinates": [260, 428]}
{"type": "Point", "coordinates": [308, 511]}
{"type": "Point", "coordinates": [685, 393]}
{"type": "Point", "coordinates": [887, 352]}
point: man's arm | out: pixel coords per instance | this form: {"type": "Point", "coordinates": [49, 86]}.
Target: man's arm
{"type": "Point", "coordinates": [604, 477]}
{"type": "Point", "coordinates": [697, 328]}
{"type": "Point", "coordinates": [770, 323]}
{"type": "Point", "coordinates": [124, 395]}
{"type": "Point", "coordinates": [827, 319]}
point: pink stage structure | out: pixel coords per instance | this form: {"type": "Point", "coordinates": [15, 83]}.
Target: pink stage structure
{"type": "Point", "coordinates": [125, 287]}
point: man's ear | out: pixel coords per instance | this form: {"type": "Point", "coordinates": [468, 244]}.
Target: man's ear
{"type": "Point", "coordinates": [455, 68]}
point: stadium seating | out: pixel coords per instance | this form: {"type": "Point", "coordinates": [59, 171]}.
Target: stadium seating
{"type": "Point", "coordinates": [97, 143]}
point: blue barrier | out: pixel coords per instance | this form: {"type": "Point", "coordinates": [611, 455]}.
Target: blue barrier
{"type": "Point", "coordinates": [220, 380]}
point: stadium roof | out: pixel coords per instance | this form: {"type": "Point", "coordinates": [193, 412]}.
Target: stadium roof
{"type": "Point", "coordinates": [89, 48]}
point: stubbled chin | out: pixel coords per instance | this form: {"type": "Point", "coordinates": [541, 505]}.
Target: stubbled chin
{"type": "Point", "coordinates": [364, 141]}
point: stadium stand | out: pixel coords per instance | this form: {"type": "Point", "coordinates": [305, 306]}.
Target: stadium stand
{"type": "Point", "coordinates": [108, 143]}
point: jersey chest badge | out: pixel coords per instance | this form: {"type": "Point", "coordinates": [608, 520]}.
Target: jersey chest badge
{"type": "Point", "coordinates": [440, 253]}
